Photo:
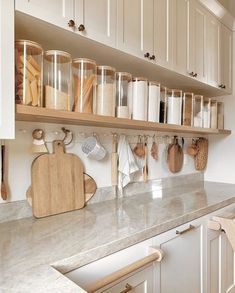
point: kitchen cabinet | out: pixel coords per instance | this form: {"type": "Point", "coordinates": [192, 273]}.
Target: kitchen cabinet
{"type": "Point", "coordinates": [97, 20]}
{"type": "Point", "coordinates": [197, 41]}
{"type": "Point", "coordinates": [57, 12]}
{"type": "Point", "coordinates": [180, 35]}
{"type": "Point", "coordinates": [135, 27]}
{"type": "Point", "coordinates": [7, 92]}
{"type": "Point", "coordinates": [212, 50]}
{"type": "Point", "coordinates": [181, 270]}
{"type": "Point", "coordinates": [226, 36]}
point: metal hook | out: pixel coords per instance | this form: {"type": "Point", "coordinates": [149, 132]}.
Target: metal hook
{"type": "Point", "coordinates": [66, 133]}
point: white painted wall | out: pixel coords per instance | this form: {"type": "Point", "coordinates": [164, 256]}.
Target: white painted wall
{"type": "Point", "coordinates": [20, 157]}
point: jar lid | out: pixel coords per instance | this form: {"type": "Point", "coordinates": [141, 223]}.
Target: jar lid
{"type": "Point", "coordinates": [198, 97]}
{"type": "Point", "coordinates": [105, 67]}
{"type": "Point", "coordinates": [155, 83]}
{"type": "Point", "coordinates": [139, 79]}
{"type": "Point", "coordinates": [125, 75]}
{"type": "Point", "coordinates": [174, 92]}
{"type": "Point", "coordinates": [64, 57]}
{"type": "Point", "coordinates": [32, 44]}
{"type": "Point", "coordinates": [188, 94]}
{"type": "Point", "coordinates": [83, 60]}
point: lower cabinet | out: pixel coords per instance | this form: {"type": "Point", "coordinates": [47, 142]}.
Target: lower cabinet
{"type": "Point", "coordinates": [195, 260]}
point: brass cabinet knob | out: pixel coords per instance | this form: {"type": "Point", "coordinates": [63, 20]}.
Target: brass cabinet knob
{"type": "Point", "coordinates": [146, 55]}
{"type": "Point", "coordinates": [191, 73]}
{"type": "Point", "coordinates": [152, 57]}
{"type": "Point", "coordinates": [220, 85]}
{"type": "Point", "coordinates": [128, 288]}
{"type": "Point", "coordinates": [71, 23]}
{"type": "Point", "coordinates": [195, 75]}
{"type": "Point", "coordinates": [81, 28]}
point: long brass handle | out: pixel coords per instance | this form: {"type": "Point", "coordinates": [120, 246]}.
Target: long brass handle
{"type": "Point", "coordinates": [191, 227]}
{"type": "Point", "coordinates": [155, 255]}
{"type": "Point", "coordinates": [128, 288]}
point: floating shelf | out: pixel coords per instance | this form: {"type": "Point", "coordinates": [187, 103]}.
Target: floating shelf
{"type": "Point", "coordinates": [37, 114]}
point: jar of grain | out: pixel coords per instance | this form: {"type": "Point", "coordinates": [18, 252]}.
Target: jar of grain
{"type": "Point", "coordinates": [206, 112]}
{"type": "Point", "coordinates": [174, 106]}
{"type": "Point", "coordinates": [122, 85]}
{"type": "Point", "coordinates": [187, 114]}
{"type": "Point", "coordinates": [140, 98]}
{"type": "Point", "coordinates": [57, 80]}
{"type": "Point", "coordinates": [220, 114]}
{"type": "Point", "coordinates": [153, 101]}
{"type": "Point", "coordinates": [28, 72]}
{"type": "Point", "coordinates": [214, 113]}
{"type": "Point", "coordinates": [198, 111]}
{"type": "Point", "coordinates": [84, 85]}
{"type": "Point", "coordinates": [105, 93]}
{"type": "Point", "coordinates": [163, 99]}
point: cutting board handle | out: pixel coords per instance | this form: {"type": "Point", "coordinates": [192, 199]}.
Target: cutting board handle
{"type": "Point", "coordinates": [58, 147]}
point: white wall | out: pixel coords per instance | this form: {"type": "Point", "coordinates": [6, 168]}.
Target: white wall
{"type": "Point", "coordinates": [20, 157]}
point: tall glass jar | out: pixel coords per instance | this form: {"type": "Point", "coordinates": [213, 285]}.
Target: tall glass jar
{"type": "Point", "coordinates": [220, 114]}
{"type": "Point", "coordinates": [84, 84]}
{"type": "Point", "coordinates": [153, 101]}
{"type": "Point", "coordinates": [122, 94]}
{"type": "Point", "coordinates": [206, 112]}
{"type": "Point", "coordinates": [105, 104]}
{"type": "Point", "coordinates": [198, 111]}
{"type": "Point", "coordinates": [57, 80]}
{"type": "Point", "coordinates": [214, 113]}
{"type": "Point", "coordinates": [28, 73]}
{"type": "Point", "coordinates": [140, 98]}
{"type": "Point", "coordinates": [187, 118]}
{"type": "Point", "coordinates": [174, 106]}
{"type": "Point", "coordinates": [163, 104]}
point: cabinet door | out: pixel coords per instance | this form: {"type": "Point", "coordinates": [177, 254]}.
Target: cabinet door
{"type": "Point", "coordinates": [197, 40]}
{"type": "Point", "coordinates": [220, 263]}
{"type": "Point", "coordinates": [212, 50]}
{"type": "Point", "coordinates": [180, 35]}
{"type": "Point", "coordinates": [57, 12]}
{"type": "Point", "coordinates": [163, 32]}
{"type": "Point", "coordinates": [7, 93]}
{"type": "Point", "coordinates": [135, 26]}
{"type": "Point", "coordinates": [181, 270]}
{"type": "Point", "coordinates": [98, 18]}
{"type": "Point", "coordinates": [140, 282]}
{"type": "Point", "coordinates": [226, 58]}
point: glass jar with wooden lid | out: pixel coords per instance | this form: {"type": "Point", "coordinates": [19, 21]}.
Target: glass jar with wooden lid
{"type": "Point", "coordinates": [105, 93]}
{"type": "Point", "coordinates": [28, 72]}
{"type": "Point", "coordinates": [187, 113]}
{"type": "Point", "coordinates": [198, 111]}
{"type": "Point", "coordinates": [153, 101]}
{"type": "Point", "coordinates": [174, 106]}
{"type": "Point", "coordinates": [163, 104]}
{"type": "Point", "coordinates": [206, 112]}
{"type": "Point", "coordinates": [57, 80]}
{"type": "Point", "coordinates": [84, 84]}
{"type": "Point", "coordinates": [123, 79]}
{"type": "Point", "coordinates": [140, 98]}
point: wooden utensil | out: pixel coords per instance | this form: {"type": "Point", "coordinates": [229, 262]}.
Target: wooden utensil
{"type": "Point", "coordinates": [4, 192]}
{"type": "Point", "coordinates": [114, 164]}
{"type": "Point", "coordinates": [89, 189]}
{"type": "Point", "coordinates": [139, 148]}
{"type": "Point", "coordinates": [145, 160]}
{"type": "Point", "coordinates": [154, 149]}
{"type": "Point", "coordinates": [57, 182]}
{"type": "Point", "coordinates": [200, 160]}
{"type": "Point", "coordinates": [175, 156]}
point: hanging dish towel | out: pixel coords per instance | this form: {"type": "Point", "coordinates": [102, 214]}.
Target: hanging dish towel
{"type": "Point", "coordinates": [127, 165]}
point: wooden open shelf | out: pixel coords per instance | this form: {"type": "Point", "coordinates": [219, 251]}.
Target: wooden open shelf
{"type": "Point", "coordinates": [36, 114]}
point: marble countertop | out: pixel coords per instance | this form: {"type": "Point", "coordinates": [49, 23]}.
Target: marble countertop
{"type": "Point", "coordinates": [31, 249]}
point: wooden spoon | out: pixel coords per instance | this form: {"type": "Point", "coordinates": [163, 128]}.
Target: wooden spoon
{"type": "Point", "coordinates": [4, 193]}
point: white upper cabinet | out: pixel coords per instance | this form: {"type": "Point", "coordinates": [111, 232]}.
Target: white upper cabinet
{"type": "Point", "coordinates": [7, 92]}
{"type": "Point", "coordinates": [213, 50]}
{"type": "Point", "coordinates": [96, 20]}
{"type": "Point", "coordinates": [163, 33]}
{"type": "Point", "coordinates": [58, 12]}
{"type": "Point", "coordinates": [226, 44]}
{"type": "Point", "coordinates": [197, 41]}
{"type": "Point", "coordinates": [180, 35]}
{"type": "Point", "coordinates": [135, 27]}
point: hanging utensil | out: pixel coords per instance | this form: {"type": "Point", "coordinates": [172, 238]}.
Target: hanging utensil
{"type": "Point", "coordinates": [154, 149]}
{"type": "Point", "coordinates": [145, 171]}
{"type": "Point", "coordinates": [175, 156]}
{"type": "Point", "coordinates": [139, 148]}
{"type": "Point", "coordinates": [114, 164]}
{"type": "Point", "coordinates": [4, 192]}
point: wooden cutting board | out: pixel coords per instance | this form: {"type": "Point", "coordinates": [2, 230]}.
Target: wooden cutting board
{"type": "Point", "coordinates": [175, 157]}
{"type": "Point", "coordinates": [57, 183]}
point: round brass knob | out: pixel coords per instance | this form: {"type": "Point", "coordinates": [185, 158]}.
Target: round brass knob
{"type": "Point", "coordinates": [146, 55]}
{"type": "Point", "coordinates": [81, 28]}
{"type": "Point", "coordinates": [152, 57]}
{"type": "Point", "coordinates": [191, 73]}
{"type": "Point", "coordinates": [71, 23]}
{"type": "Point", "coordinates": [195, 75]}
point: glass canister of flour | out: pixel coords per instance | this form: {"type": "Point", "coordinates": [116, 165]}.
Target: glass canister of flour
{"type": "Point", "coordinates": [198, 111]}
{"type": "Point", "coordinates": [123, 81]}
{"type": "Point", "coordinates": [28, 72]}
{"type": "Point", "coordinates": [105, 93]}
{"type": "Point", "coordinates": [84, 84]}
{"type": "Point", "coordinates": [163, 104]}
{"type": "Point", "coordinates": [153, 101]}
{"type": "Point", "coordinates": [57, 80]}
{"type": "Point", "coordinates": [214, 113]}
{"type": "Point", "coordinates": [174, 106]}
{"type": "Point", "coordinates": [187, 115]}
{"type": "Point", "coordinates": [206, 112]}
{"type": "Point", "coordinates": [140, 98]}
{"type": "Point", "coordinates": [220, 114]}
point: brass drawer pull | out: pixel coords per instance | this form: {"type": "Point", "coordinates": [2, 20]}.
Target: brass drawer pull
{"type": "Point", "coordinates": [128, 288]}
{"type": "Point", "coordinates": [191, 227]}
